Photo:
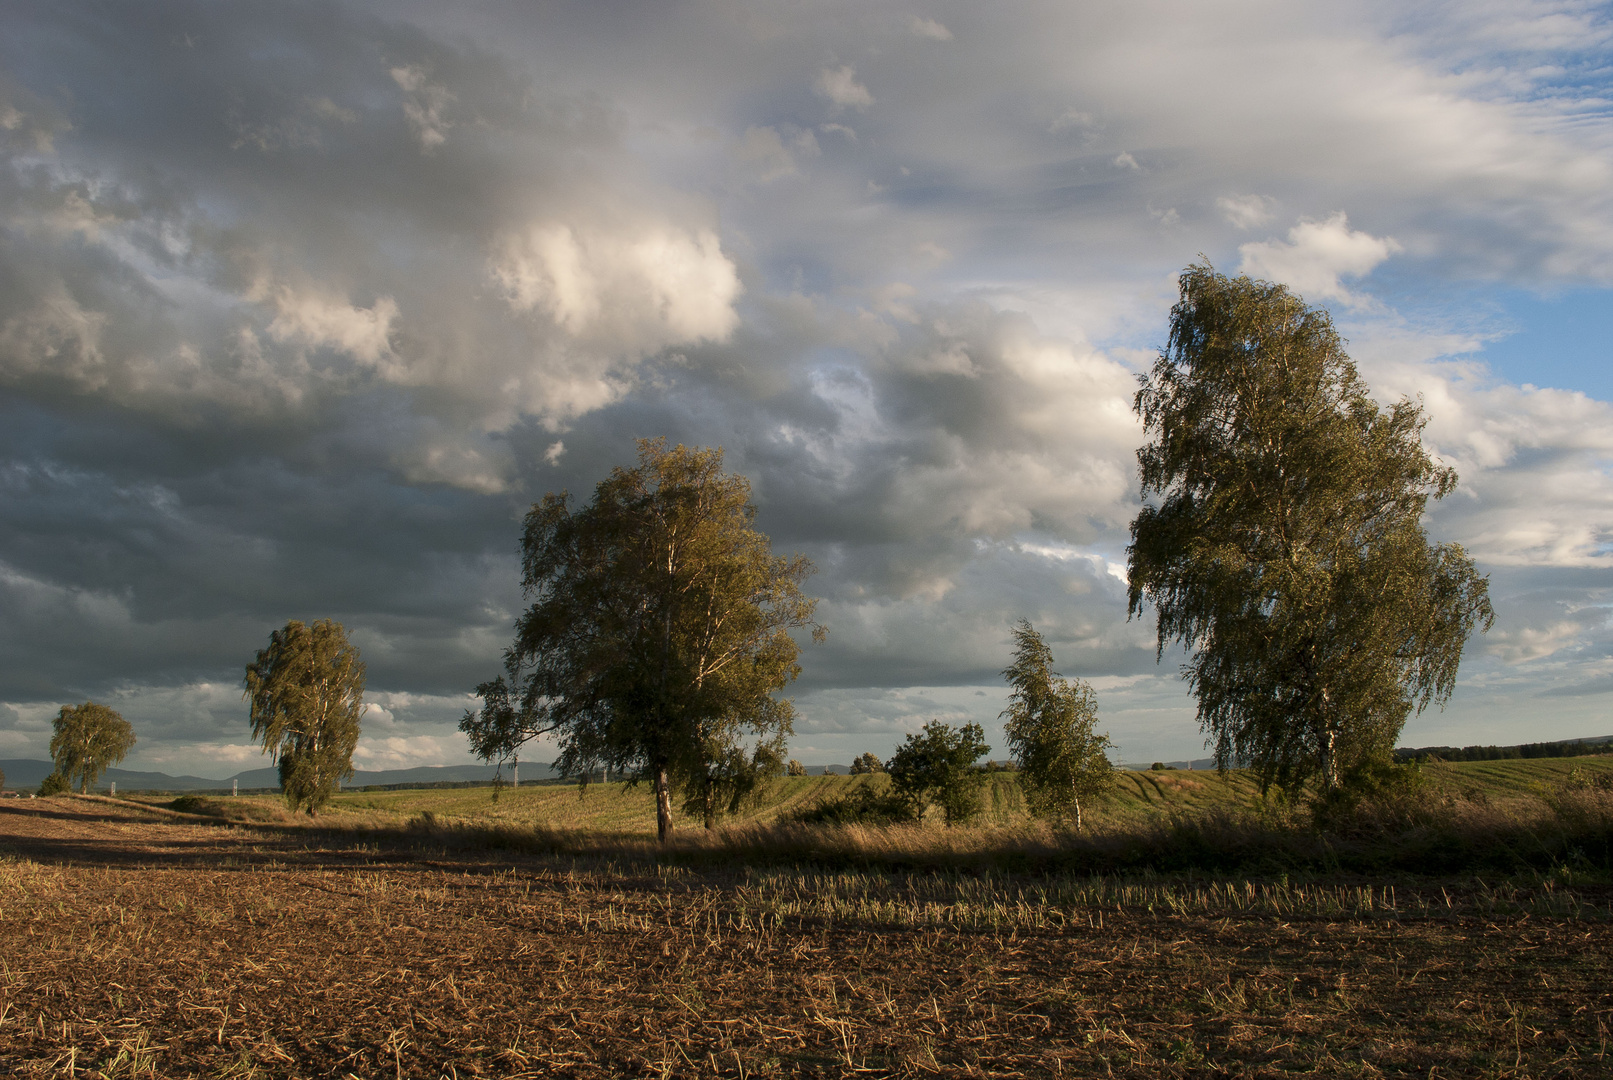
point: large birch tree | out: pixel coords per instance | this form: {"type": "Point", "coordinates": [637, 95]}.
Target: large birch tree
{"type": "Point", "coordinates": [1281, 540]}
{"type": "Point", "coordinates": [86, 740]}
{"type": "Point", "coordinates": [658, 633]}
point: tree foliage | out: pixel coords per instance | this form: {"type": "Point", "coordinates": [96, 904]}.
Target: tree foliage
{"type": "Point", "coordinates": [1048, 723]}
{"type": "Point", "coordinates": [937, 766]}
{"type": "Point", "coordinates": [88, 739]}
{"type": "Point", "coordinates": [500, 727]}
{"type": "Point", "coordinates": [1286, 549]}
{"type": "Point", "coordinates": [866, 765]}
{"type": "Point", "coordinates": [658, 633]}
{"type": "Point", "coordinates": [306, 692]}
{"type": "Point", "coordinates": [55, 784]}
{"type": "Point", "coordinates": [728, 777]}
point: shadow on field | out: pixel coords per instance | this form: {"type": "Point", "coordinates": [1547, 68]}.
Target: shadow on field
{"type": "Point", "coordinates": [1565, 828]}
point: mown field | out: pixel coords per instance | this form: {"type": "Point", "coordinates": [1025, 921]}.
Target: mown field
{"type": "Point", "coordinates": [620, 808]}
{"type": "Point", "coordinates": [437, 933]}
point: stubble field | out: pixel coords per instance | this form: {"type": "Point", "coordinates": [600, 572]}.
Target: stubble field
{"type": "Point", "coordinates": [135, 941]}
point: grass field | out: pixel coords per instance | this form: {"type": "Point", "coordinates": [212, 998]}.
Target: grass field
{"type": "Point", "coordinates": [545, 935]}
{"type": "Point", "coordinates": [1136, 796]}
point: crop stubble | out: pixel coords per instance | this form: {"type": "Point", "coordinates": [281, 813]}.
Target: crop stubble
{"type": "Point", "coordinates": [136, 943]}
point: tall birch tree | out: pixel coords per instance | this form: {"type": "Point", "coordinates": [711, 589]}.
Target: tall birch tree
{"type": "Point", "coordinates": [659, 631]}
{"type": "Point", "coordinates": [1281, 540]}
{"type": "Point", "coordinates": [306, 696]}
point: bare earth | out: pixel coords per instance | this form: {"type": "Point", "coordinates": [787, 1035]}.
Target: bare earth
{"type": "Point", "coordinates": [142, 943]}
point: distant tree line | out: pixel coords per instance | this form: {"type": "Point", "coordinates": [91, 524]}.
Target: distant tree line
{"type": "Point", "coordinates": [1561, 749]}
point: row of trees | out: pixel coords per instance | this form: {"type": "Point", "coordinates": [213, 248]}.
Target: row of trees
{"type": "Point", "coordinates": [659, 633]}
{"type": "Point", "coordinates": [306, 695]}
{"type": "Point", "coordinates": [1281, 544]}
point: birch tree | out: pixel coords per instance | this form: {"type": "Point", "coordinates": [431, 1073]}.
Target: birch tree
{"type": "Point", "coordinates": [306, 696]}
{"type": "Point", "coordinates": [88, 739]}
{"type": "Point", "coordinates": [658, 633]}
{"type": "Point", "coordinates": [1048, 723]}
{"type": "Point", "coordinates": [1281, 540]}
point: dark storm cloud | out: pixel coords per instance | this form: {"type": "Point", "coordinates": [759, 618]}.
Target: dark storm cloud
{"type": "Point", "coordinates": [302, 304]}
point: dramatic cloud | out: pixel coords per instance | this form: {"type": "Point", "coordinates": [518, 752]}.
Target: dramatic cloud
{"type": "Point", "coordinates": [302, 304]}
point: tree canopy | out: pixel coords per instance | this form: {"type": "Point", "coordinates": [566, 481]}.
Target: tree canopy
{"type": "Point", "coordinates": [87, 740]}
{"type": "Point", "coordinates": [937, 765]}
{"type": "Point", "coordinates": [658, 633]}
{"type": "Point", "coordinates": [1048, 724]}
{"type": "Point", "coordinates": [306, 692]}
{"type": "Point", "coordinates": [1285, 550]}
{"type": "Point", "coordinates": [866, 765]}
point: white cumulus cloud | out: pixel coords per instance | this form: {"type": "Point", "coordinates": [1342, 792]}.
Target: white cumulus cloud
{"type": "Point", "coordinates": [1316, 256]}
{"type": "Point", "coordinates": [1245, 211]}
{"type": "Point", "coordinates": [840, 86]}
{"type": "Point", "coordinates": [629, 292]}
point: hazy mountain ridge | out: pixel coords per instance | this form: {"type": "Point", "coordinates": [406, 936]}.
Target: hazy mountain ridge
{"type": "Point", "coordinates": [29, 772]}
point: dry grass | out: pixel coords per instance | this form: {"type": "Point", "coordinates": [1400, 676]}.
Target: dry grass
{"type": "Point", "coordinates": [135, 943]}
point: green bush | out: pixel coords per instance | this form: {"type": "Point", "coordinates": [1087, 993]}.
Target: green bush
{"type": "Point", "coordinates": [861, 806]}
{"type": "Point", "coordinates": [55, 784]}
{"type": "Point", "coordinates": [1375, 797]}
{"type": "Point", "coordinates": [938, 766]}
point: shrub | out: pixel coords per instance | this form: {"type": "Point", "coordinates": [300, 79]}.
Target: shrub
{"type": "Point", "coordinates": [1375, 797]}
{"type": "Point", "coordinates": [55, 784]}
{"type": "Point", "coordinates": [861, 806]}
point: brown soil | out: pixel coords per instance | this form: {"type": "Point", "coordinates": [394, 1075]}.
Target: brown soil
{"type": "Point", "coordinates": [139, 942]}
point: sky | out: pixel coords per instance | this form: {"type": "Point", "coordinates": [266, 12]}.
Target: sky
{"type": "Point", "coordinates": [303, 304]}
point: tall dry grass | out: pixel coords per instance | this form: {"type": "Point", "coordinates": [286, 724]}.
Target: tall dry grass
{"type": "Point", "coordinates": [1565, 827]}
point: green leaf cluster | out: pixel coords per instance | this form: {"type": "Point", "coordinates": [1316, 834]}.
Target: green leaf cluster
{"type": "Point", "coordinates": [306, 692]}
{"type": "Point", "coordinates": [937, 766]}
{"type": "Point", "coordinates": [659, 630]}
{"type": "Point", "coordinates": [1285, 548]}
{"type": "Point", "coordinates": [88, 739]}
{"type": "Point", "coordinates": [55, 784]}
{"type": "Point", "coordinates": [1048, 723]}
{"type": "Point", "coordinates": [866, 765]}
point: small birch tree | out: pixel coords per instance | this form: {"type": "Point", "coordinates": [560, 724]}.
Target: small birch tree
{"type": "Point", "coordinates": [306, 693]}
{"type": "Point", "coordinates": [87, 740]}
{"type": "Point", "coordinates": [1048, 723]}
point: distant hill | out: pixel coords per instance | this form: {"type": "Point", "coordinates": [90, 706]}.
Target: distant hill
{"type": "Point", "coordinates": [1198, 764]}
{"type": "Point", "coordinates": [28, 773]}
